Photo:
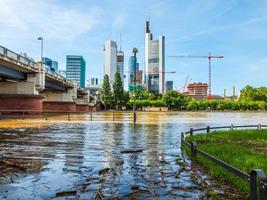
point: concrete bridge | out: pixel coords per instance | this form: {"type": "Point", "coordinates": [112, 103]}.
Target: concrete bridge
{"type": "Point", "coordinates": [27, 85]}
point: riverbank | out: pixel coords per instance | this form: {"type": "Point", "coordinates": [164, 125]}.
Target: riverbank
{"type": "Point", "coordinates": [155, 117]}
{"type": "Point", "coordinates": [243, 149]}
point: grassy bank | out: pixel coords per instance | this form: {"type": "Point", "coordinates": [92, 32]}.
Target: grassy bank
{"type": "Point", "coordinates": [244, 149]}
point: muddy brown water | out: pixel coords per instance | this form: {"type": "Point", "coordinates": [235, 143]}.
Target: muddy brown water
{"type": "Point", "coordinates": [73, 160]}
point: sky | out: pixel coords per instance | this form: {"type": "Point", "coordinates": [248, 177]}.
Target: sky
{"type": "Point", "coordinates": [235, 29]}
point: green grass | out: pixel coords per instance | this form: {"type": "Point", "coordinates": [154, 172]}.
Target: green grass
{"type": "Point", "coordinates": [243, 149]}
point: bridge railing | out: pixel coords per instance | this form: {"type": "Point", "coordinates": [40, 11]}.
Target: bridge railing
{"type": "Point", "coordinates": [16, 57]}
{"type": "Point", "coordinates": [58, 76]}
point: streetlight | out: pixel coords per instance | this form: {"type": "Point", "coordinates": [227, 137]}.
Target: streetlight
{"type": "Point", "coordinates": [42, 47]}
{"type": "Point", "coordinates": [135, 51]}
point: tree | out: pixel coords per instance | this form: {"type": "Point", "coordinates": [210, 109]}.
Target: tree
{"type": "Point", "coordinates": [106, 94]}
{"type": "Point", "coordinates": [249, 93]}
{"type": "Point", "coordinates": [118, 90]}
{"type": "Point", "coordinates": [126, 98]}
{"type": "Point", "coordinates": [176, 100]}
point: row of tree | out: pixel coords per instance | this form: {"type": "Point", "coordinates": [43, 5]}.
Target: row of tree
{"type": "Point", "coordinates": [253, 94]}
{"type": "Point", "coordinates": [116, 98]}
{"type": "Point", "coordinates": [250, 99]}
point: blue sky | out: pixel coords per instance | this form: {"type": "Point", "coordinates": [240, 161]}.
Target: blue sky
{"type": "Point", "coordinates": [236, 29]}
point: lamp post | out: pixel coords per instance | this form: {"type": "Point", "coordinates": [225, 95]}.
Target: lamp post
{"type": "Point", "coordinates": [135, 51]}
{"type": "Point", "coordinates": [42, 47]}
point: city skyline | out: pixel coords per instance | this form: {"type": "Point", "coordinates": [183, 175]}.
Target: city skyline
{"type": "Point", "coordinates": [233, 29]}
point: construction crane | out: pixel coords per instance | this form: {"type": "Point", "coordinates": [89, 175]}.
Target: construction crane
{"type": "Point", "coordinates": [210, 57]}
{"type": "Point", "coordinates": [185, 84]}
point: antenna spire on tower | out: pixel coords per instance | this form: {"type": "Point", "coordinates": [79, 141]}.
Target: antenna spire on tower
{"type": "Point", "coordinates": [120, 41]}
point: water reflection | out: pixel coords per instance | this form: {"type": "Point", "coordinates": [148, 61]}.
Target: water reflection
{"type": "Point", "coordinates": [87, 156]}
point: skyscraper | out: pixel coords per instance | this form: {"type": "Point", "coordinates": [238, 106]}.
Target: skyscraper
{"type": "Point", "coordinates": [75, 69]}
{"type": "Point", "coordinates": [133, 67]}
{"type": "Point", "coordinates": [120, 65]}
{"type": "Point", "coordinates": [154, 61]}
{"type": "Point", "coordinates": [114, 61]}
{"type": "Point", "coordinates": [110, 59]}
{"type": "Point", "coordinates": [50, 64]}
{"type": "Point", "coordinates": [169, 86]}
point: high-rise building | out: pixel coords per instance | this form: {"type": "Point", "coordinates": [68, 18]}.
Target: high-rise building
{"type": "Point", "coordinates": [93, 81]}
{"type": "Point", "coordinates": [55, 65]}
{"type": "Point", "coordinates": [120, 65]}
{"type": "Point", "coordinates": [110, 59]}
{"type": "Point", "coordinates": [154, 61]}
{"type": "Point", "coordinates": [75, 69]}
{"type": "Point", "coordinates": [50, 64]}
{"type": "Point", "coordinates": [114, 61]}
{"type": "Point", "coordinates": [169, 86]}
{"type": "Point", "coordinates": [133, 67]}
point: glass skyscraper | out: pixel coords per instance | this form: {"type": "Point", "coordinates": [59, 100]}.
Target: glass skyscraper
{"type": "Point", "coordinates": [134, 70]}
{"type": "Point", "coordinates": [50, 64]}
{"type": "Point", "coordinates": [169, 86]}
{"type": "Point", "coordinates": [75, 69]}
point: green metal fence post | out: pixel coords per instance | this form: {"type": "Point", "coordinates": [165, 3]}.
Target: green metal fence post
{"type": "Point", "coordinates": [191, 131]}
{"type": "Point", "coordinates": [182, 138]}
{"type": "Point", "coordinates": [194, 150]}
{"type": "Point", "coordinates": [208, 129]}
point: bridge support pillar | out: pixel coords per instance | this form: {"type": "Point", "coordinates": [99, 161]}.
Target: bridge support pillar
{"type": "Point", "coordinates": [59, 106]}
{"type": "Point", "coordinates": [82, 108]}
{"type": "Point", "coordinates": [59, 101]}
{"type": "Point", "coordinates": [15, 103]}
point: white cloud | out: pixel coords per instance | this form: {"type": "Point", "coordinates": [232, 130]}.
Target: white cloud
{"type": "Point", "coordinates": [25, 19]}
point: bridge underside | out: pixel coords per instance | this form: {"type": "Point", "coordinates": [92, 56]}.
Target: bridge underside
{"type": "Point", "coordinates": [53, 86]}
{"type": "Point", "coordinates": [7, 73]}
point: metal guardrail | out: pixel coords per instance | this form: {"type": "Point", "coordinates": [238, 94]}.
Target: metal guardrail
{"type": "Point", "coordinates": [257, 178]}
{"type": "Point", "coordinates": [59, 77]}
{"type": "Point", "coordinates": [17, 58]}
{"type": "Point", "coordinates": [31, 64]}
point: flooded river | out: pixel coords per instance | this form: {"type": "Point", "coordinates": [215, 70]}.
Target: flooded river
{"type": "Point", "coordinates": [75, 159]}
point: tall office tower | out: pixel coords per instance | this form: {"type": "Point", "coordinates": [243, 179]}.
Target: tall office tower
{"type": "Point", "coordinates": [169, 86]}
{"type": "Point", "coordinates": [134, 71]}
{"type": "Point", "coordinates": [110, 52]}
{"type": "Point", "coordinates": [120, 65]}
{"type": "Point", "coordinates": [75, 69]}
{"type": "Point", "coordinates": [50, 64]}
{"type": "Point", "coordinates": [154, 61]}
{"type": "Point", "coordinates": [55, 65]}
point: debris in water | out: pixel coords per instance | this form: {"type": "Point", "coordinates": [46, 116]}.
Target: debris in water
{"type": "Point", "coordinates": [11, 164]}
{"type": "Point", "coordinates": [103, 171]}
{"type": "Point", "coordinates": [97, 195]}
{"type": "Point", "coordinates": [66, 193]}
{"type": "Point", "coordinates": [132, 150]}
